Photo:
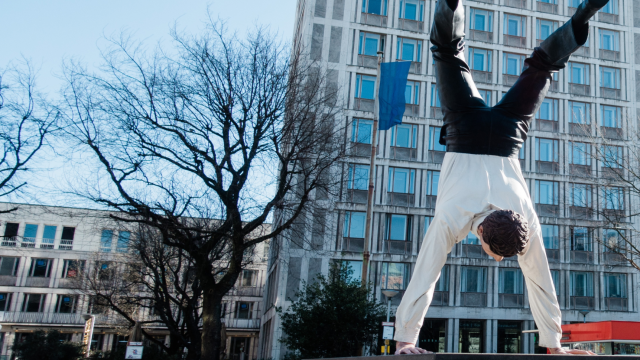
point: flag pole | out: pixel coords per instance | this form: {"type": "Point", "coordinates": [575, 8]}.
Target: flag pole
{"type": "Point", "coordinates": [374, 148]}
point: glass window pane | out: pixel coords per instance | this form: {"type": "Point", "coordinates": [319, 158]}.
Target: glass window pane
{"type": "Point", "coordinates": [398, 227]}
{"type": "Point", "coordinates": [357, 225]}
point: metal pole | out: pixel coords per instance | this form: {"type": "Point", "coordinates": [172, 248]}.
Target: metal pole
{"type": "Point", "coordinates": [388, 308]}
{"type": "Point", "coordinates": [374, 147]}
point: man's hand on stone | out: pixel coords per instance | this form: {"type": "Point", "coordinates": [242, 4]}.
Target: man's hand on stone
{"type": "Point", "coordinates": [409, 348]}
{"type": "Point", "coordinates": [570, 352]}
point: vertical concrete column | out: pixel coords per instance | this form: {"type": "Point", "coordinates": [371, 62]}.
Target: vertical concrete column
{"type": "Point", "coordinates": [450, 338]}
{"type": "Point", "coordinates": [456, 335]}
{"type": "Point", "coordinates": [598, 291]}
{"type": "Point", "coordinates": [456, 290]}
{"type": "Point", "coordinates": [525, 337]}
{"type": "Point", "coordinates": [493, 331]}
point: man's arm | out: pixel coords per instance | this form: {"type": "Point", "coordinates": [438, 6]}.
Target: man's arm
{"type": "Point", "coordinates": [542, 294]}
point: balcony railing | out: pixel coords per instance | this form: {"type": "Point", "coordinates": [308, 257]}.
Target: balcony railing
{"type": "Point", "coordinates": [415, 67]}
{"type": "Point", "coordinates": [583, 302]}
{"type": "Point", "coordinates": [400, 199]}
{"type": "Point", "coordinates": [548, 210]}
{"type": "Point", "coordinates": [10, 241]}
{"type": "Point", "coordinates": [373, 19]}
{"type": "Point", "coordinates": [482, 76]}
{"type": "Point", "coordinates": [368, 61]}
{"type": "Point", "coordinates": [582, 213]}
{"type": "Point", "coordinates": [411, 25]}
{"type": "Point", "coordinates": [554, 86]}
{"type": "Point", "coordinates": [360, 149]}
{"type": "Point", "coordinates": [517, 41]}
{"type": "Point", "coordinates": [608, 18]}
{"type": "Point", "coordinates": [473, 251]}
{"type": "Point", "coordinates": [616, 304]}
{"type": "Point", "coordinates": [246, 291]}
{"type": "Point", "coordinates": [37, 281]}
{"type": "Point", "coordinates": [611, 132]}
{"type": "Point", "coordinates": [65, 244]}
{"type": "Point", "coordinates": [411, 110]}
{"type": "Point", "coordinates": [547, 7]}
{"type": "Point", "coordinates": [55, 318]}
{"type": "Point", "coordinates": [486, 1]}
{"type": "Point", "coordinates": [8, 280]}
{"type": "Point", "coordinates": [611, 173]}
{"type": "Point", "coordinates": [614, 215]}
{"type": "Point", "coordinates": [520, 4]}
{"type": "Point", "coordinates": [547, 167]}
{"type": "Point", "coordinates": [553, 255]}
{"type": "Point", "coordinates": [579, 89]}
{"type": "Point", "coordinates": [580, 129]}
{"type": "Point", "coordinates": [352, 244]}
{"type": "Point", "coordinates": [403, 153]}
{"type": "Point", "coordinates": [609, 55]}
{"type": "Point", "coordinates": [582, 257]}
{"type": "Point", "coordinates": [242, 323]}
{"type": "Point", "coordinates": [363, 104]}
{"type": "Point", "coordinates": [69, 283]}
{"type": "Point", "coordinates": [473, 299]}
{"type": "Point", "coordinates": [547, 125]}
{"type": "Point", "coordinates": [397, 247]}
{"type": "Point", "coordinates": [571, 10]}
{"type": "Point", "coordinates": [509, 80]}
{"type": "Point", "coordinates": [511, 300]}
{"type": "Point", "coordinates": [580, 170]}
{"type": "Point", "coordinates": [440, 298]}
{"type": "Point", "coordinates": [610, 93]}
{"type": "Point", "coordinates": [613, 258]}
{"type": "Point", "coordinates": [436, 113]}
{"type": "Point", "coordinates": [357, 196]}
{"type": "Point", "coordinates": [430, 201]}
{"type": "Point", "coordinates": [479, 35]}
{"type": "Point", "coordinates": [582, 51]}
{"type": "Point", "coordinates": [436, 156]}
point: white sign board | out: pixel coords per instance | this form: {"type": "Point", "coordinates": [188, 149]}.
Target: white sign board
{"type": "Point", "coordinates": [88, 333]}
{"type": "Point", "coordinates": [387, 332]}
{"type": "Point", "coordinates": [134, 352]}
{"type": "Point", "coordinates": [388, 323]}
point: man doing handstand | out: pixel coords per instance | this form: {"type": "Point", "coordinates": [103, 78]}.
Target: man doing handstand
{"type": "Point", "coordinates": [481, 185]}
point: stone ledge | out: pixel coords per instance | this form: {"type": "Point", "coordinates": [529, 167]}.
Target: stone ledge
{"type": "Point", "coordinates": [456, 356]}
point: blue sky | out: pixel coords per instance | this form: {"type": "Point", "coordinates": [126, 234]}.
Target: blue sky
{"type": "Point", "coordinates": [46, 31]}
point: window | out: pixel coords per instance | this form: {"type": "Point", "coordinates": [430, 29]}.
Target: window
{"type": "Point", "coordinates": [471, 239]}
{"type": "Point", "coordinates": [581, 283]}
{"type": "Point", "coordinates": [581, 195]}
{"type": "Point", "coordinates": [615, 285]}
{"type": "Point", "coordinates": [404, 135]}
{"type": "Point", "coordinates": [578, 113]}
{"type": "Point", "coordinates": [40, 267]}
{"type": "Point", "coordinates": [578, 73]}
{"type": "Point", "coordinates": [514, 25]}
{"type": "Point", "coordinates": [365, 86]}
{"type": "Point", "coordinates": [480, 59]}
{"type": "Point", "coordinates": [105, 240]}
{"type": "Point", "coordinates": [96, 306]}
{"type": "Point", "coordinates": [613, 198]}
{"type": "Point", "coordinates": [123, 241]}
{"type": "Point", "coordinates": [412, 93]}
{"type": "Point", "coordinates": [609, 40]}
{"type": "Point", "coordinates": [434, 139]}
{"type": "Point", "coordinates": [411, 9]}
{"type": "Point", "coordinates": [610, 116]}
{"type": "Point", "coordinates": [486, 96]}
{"type": "Point", "coordinates": [72, 268]}
{"type": "Point", "coordinates": [398, 227]}
{"type": "Point", "coordinates": [9, 265]}
{"type": "Point", "coordinates": [443, 281]}
{"type": "Point", "coordinates": [66, 304]}
{"type": "Point", "coordinates": [613, 240]}
{"type": "Point", "coordinates": [609, 77]}
{"type": "Point", "coordinates": [511, 281]}
{"type": "Point", "coordinates": [401, 180]}
{"type": "Point", "coordinates": [545, 28]}
{"type": "Point", "coordinates": [104, 270]}
{"type": "Point", "coordinates": [49, 236]}
{"type": "Point", "coordinates": [435, 98]}
{"type": "Point", "coordinates": [547, 192]}
{"type": "Point", "coordinates": [521, 153]}
{"type": "Point", "coordinates": [244, 310]}
{"type": "Point", "coordinates": [612, 156]}
{"type": "Point", "coordinates": [579, 153]}
{"type": "Point", "coordinates": [358, 177]}
{"type": "Point", "coordinates": [513, 64]}
{"type": "Point", "coordinates": [378, 7]}
{"type": "Point", "coordinates": [395, 276]}
{"type": "Point", "coordinates": [249, 277]}
{"type": "Point", "coordinates": [555, 276]}
{"type": "Point", "coordinates": [481, 20]}
{"type": "Point", "coordinates": [550, 236]}
{"type": "Point", "coordinates": [356, 269]}
{"type": "Point", "coordinates": [547, 150]}
{"type": "Point", "coordinates": [427, 222]}
{"type": "Point", "coordinates": [33, 302]}
{"type": "Point", "coordinates": [5, 301]}
{"type": "Point", "coordinates": [409, 49]}
{"type": "Point", "coordinates": [611, 7]}
{"type": "Point", "coordinates": [354, 224]}
{"type": "Point", "coordinates": [361, 131]}
{"type": "Point", "coordinates": [370, 44]}
{"type": "Point", "coordinates": [30, 233]}
{"type": "Point", "coordinates": [474, 279]}
{"type": "Point", "coordinates": [11, 230]}
{"type": "Point", "coordinates": [433, 178]}
{"type": "Point", "coordinates": [66, 239]}
{"type": "Point", "coordinates": [581, 239]}
{"type": "Point", "coordinates": [548, 110]}
{"type": "Point", "coordinates": [574, 3]}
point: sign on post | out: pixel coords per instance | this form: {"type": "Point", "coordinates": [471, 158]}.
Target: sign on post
{"type": "Point", "coordinates": [134, 352]}
{"type": "Point", "coordinates": [88, 333]}
{"type": "Point", "coordinates": [387, 332]}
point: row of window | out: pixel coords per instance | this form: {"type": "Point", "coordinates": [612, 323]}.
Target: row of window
{"type": "Point", "coordinates": [64, 303]}
{"type": "Point", "coordinates": [40, 267]}
{"type": "Point", "coordinates": [47, 235]}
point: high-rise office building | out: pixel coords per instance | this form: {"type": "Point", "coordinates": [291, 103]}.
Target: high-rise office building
{"type": "Point", "coordinates": [479, 305]}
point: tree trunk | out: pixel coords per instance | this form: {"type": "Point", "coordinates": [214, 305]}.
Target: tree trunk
{"type": "Point", "coordinates": [211, 326]}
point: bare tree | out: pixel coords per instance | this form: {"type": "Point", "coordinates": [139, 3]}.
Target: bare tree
{"type": "Point", "coordinates": [226, 131]}
{"type": "Point", "coordinates": [26, 119]}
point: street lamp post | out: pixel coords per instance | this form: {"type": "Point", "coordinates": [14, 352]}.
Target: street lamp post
{"type": "Point", "coordinates": [388, 294]}
{"type": "Point", "coordinates": [584, 315]}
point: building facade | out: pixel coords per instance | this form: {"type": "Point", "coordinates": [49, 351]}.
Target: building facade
{"type": "Point", "coordinates": [479, 305]}
{"type": "Point", "coordinates": [41, 252]}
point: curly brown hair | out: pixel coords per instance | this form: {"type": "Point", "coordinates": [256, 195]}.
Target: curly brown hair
{"type": "Point", "coordinates": [506, 232]}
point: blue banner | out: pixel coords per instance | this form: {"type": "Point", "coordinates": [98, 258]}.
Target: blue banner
{"type": "Point", "coordinates": [391, 96]}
